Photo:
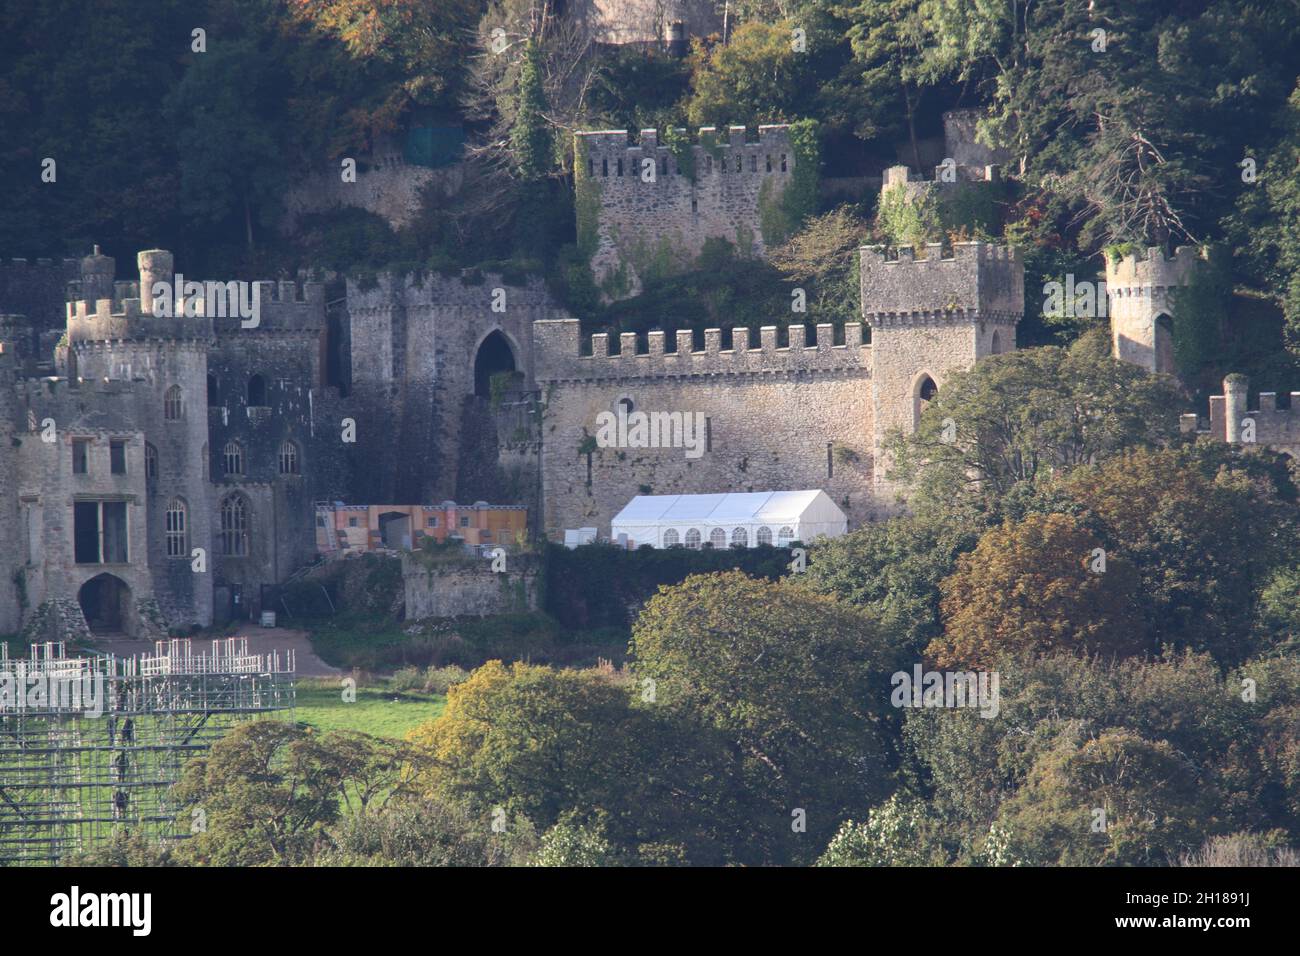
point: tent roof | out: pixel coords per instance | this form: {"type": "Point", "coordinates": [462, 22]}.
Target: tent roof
{"type": "Point", "coordinates": [767, 507]}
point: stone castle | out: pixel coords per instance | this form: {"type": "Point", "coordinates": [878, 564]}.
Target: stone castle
{"type": "Point", "coordinates": [160, 472]}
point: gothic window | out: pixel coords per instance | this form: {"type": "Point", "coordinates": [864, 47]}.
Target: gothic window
{"type": "Point", "coordinates": [718, 538]}
{"type": "Point", "coordinates": [784, 536]}
{"type": "Point", "coordinates": [693, 539]}
{"type": "Point", "coordinates": [173, 404]}
{"type": "Point", "coordinates": [996, 347]}
{"type": "Point", "coordinates": [150, 461]}
{"type": "Point", "coordinates": [232, 459]}
{"type": "Point", "coordinates": [765, 535]}
{"type": "Point", "coordinates": [177, 544]}
{"type": "Point", "coordinates": [739, 538]}
{"type": "Point", "coordinates": [256, 391]}
{"type": "Point", "coordinates": [234, 526]}
{"type": "Point", "coordinates": [671, 539]}
{"type": "Point", "coordinates": [288, 458]}
{"type": "Point", "coordinates": [925, 392]}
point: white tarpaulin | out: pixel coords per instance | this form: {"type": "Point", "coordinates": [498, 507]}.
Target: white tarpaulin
{"type": "Point", "coordinates": [743, 519]}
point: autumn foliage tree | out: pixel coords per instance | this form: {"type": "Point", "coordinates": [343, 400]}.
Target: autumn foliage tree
{"type": "Point", "coordinates": [1036, 586]}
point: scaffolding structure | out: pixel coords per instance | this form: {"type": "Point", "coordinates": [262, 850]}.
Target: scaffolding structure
{"type": "Point", "coordinates": [91, 745]}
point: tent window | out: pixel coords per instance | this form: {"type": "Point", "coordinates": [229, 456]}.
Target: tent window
{"type": "Point", "coordinates": [765, 535]}
{"type": "Point", "coordinates": [693, 539]}
{"type": "Point", "coordinates": [785, 536]}
{"type": "Point", "coordinates": [739, 538]}
{"type": "Point", "coordinates": [718, 538]}
{"type": "Point", "coordinates": [671, 539]}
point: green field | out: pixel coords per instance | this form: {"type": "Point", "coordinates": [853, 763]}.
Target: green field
{"type": "Point", "coordinates": [377, 710]}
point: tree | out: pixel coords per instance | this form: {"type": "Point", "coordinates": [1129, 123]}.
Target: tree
{"type": "Point", "coordinates": [1036, 586]}
{"type": "Point", "coordinates": [1111, 799]}
{"type": "Point", "coordinates": [1023, 415]}
{"type": "Point", "coordinates": [1204, 531]}
{"type": "Point", "coordinates": [899, 832]}
{"type": "Point", "coordinates": [792, 681]}
{"type": "Point", "coordinates": [756, 77]}
{"type": "Point", "coordinates": [265, 793]}
{"type": "Point", "coordinates": [892, 570]}
{"type": "Point", "coordinates": [532, 743]}
{"type": "Point", "coordinates": [226, 111]}
{"type": "Point", "coordinates": [530, 137]}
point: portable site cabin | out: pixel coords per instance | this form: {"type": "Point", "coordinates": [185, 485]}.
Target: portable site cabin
{"type": "Point", "coordinates": [738, 520]}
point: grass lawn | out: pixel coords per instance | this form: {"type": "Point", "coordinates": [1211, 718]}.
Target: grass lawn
{"type": "Point", "coordinates": [377, 710]}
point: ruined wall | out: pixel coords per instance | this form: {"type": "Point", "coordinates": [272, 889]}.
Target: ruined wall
{"type": "Point", "coordinates": [414, 345]}
{"type": "Point", "coordinates": [468, 588]}
{"type": "Point", "coordinates": [386, 185]}
{"type": "Point", "coordinates": [777, 418]}
{"type": "Point", "coordinates": [641, 226]}
{"type": "Point", "coordinates": [644, 21]}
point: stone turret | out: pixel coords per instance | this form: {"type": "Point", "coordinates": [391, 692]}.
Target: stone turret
{"type": "Point", "coordinates": [1140, 291]}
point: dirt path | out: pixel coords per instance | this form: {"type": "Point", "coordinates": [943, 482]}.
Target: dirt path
{"type": "Point", "coordinates": [261, 640]}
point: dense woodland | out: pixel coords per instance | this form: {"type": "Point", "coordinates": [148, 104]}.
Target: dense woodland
{"type": "Point", "coordinates": [752, 723]}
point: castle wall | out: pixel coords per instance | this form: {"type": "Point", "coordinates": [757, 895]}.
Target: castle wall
{"type": "Point", "coordinates": [777, 418]}
{"type": "Point", "coordinates": [447, 589]}
{"type": "Point", "coordinates": [669, 218]}
{"type": "Point", "coordinates": [414, 346]}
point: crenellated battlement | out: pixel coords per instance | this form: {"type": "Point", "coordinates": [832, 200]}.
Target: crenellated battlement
{"type": "Point", "coordinates": [1231, 418]}
{"type": "Point", "coordinates": [979, 281]}
{"type": "Point", "coordinates": [1151, 268]}
{"type": "Point", "coordinates": [558, 348]}
{"type": "Point", "coordinates": [109, 321]}
{"type": "Point", "coordinates": [615, 143]}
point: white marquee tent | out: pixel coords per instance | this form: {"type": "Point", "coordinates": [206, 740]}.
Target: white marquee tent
{"type": "Point", "coordinates": [740, 520]}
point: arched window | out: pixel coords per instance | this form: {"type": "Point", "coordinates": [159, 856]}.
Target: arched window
{"type": "Point", "coordinates": [256, 391]}
{"type": "Point", "coordinates": [739, 538]}
{"type": "Point", "coordinates": [718, 538]}
{"type": "Point", "coordinates": [173, 404]}
{"type": "Point", "coordinates": [177, 529]}
{"type": "Point", "coordinates": [784, 536]}
{"type": "Point", "coordinates": [671, 538]}
{"type": "Point", "coordinates": [288, 458]}
{"type": "Point", "coordinates": [924, 391]}
{"type": "Point", "coordinates": [232, 459]}
{"type": "Point", "coordinates": [150, 462]}
{"type": "Point", "coordinates": [996, 347]}
{"type": "Point", "coordinates": [626, 404]}
{"type": "Point", "coordinates": [693, 539]}
{"type": "Point", "coordinates": [234, 526]}
{"type": "Point", "coordinates": [214, 391]}
{"type": "Point", "coordinates": [765, 535]}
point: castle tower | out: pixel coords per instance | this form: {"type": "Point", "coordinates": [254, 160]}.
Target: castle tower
{"type": "Point", "coordinates": [930, 317]}
{"type": "Point", "coordinates": [1139, 288]}
{"type": "Point", "coordinates": [163, 360]}
{"type": "Point", "coordinates": [648, 206]}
